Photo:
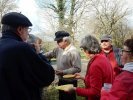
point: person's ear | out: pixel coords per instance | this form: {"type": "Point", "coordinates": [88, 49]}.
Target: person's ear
{"type": "Point", "coordinates": [19, 30]}
{"type": "Point", "coordinates": [65, 40]}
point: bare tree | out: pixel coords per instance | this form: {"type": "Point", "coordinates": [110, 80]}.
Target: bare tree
{"type": "Point", "coordinates": [121, 33]}
{"type": "Point", "coordinates": [91, 16]}
{"type": "Point", "coordinates": [6, 6]}
{"type": "Point", "coordinates": [68, 13]}
{"type": "Point", "coordinates": [109, 18]}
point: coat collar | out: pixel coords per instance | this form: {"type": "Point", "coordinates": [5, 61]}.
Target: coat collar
{"type": "Point", "coordinates": [68, 47]}
{"type": "Point", "coordinates": [11, 35]}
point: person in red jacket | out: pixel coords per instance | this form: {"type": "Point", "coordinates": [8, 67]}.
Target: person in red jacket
{"type": "Point", "coordinates": [122, 88]}
{"type": "Point", "coordinates": [112, 53]}
{"type": "Point", "coordinates": [99, 70]}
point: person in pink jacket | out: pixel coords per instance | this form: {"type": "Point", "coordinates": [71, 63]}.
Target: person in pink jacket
{"type": "Point", "coordinates": [99, 70]}
{"type": "Point", "coordinates": [122, 88]}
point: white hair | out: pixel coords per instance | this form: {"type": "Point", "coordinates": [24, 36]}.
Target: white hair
{"type": "Point", "coordinates": [68, 39]}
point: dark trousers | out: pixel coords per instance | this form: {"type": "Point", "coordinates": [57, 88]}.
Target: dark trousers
{"type": "Point", "coordinates": [67, 96]}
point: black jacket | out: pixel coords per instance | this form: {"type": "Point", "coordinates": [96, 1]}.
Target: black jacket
{"type": "Point", "coordinates": [23, 73]}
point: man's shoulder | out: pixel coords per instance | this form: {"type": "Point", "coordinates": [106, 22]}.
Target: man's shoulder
{"type": "Point", "coordinates": [73, 48]}
{"type": "Point", "coordinates": [21, 47]}
{"type": "Point", "coordinates": [116, 49]}
{"type": "Point", "coordinates": [14, 44]}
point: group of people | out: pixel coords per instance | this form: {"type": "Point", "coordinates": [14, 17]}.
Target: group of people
{"type": "Point", "coordinates": [24, 70]}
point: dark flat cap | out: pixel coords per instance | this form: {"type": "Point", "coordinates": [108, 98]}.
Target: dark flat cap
{"type": "Point", "coordinates": [60, 34]}
{"type": "Point", "coordinates": [106, 37]}
{"type": "Point", "coordinates": [15, 19]}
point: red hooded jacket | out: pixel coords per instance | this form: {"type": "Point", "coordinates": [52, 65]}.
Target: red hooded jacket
{"type": "Point", "coordinates": [122, 88]}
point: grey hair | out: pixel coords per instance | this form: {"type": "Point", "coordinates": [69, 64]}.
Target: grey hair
{"type": "Point", "coordinates": [91, 44]}
{"type": "Point", "coordinates": [32, 38]}
{"type": "Point", "coordinates": [8, 28]}
{"type": "Point", "coordinates": [68, 39]}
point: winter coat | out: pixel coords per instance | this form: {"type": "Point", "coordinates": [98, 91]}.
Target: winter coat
{"type": "Point", "coordinates": [115, 59]}
{"type": "Point", "coordinates": [99, 71]}
{"type": "Point", "coordinates": [122, 88]}
{"type": "Point", "coordinates": [23, 72]}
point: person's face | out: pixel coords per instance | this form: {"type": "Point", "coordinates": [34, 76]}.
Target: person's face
{"type": "Point", "coordinates": [105, 44]}
{"type": "Point", "coordinates": [126, 55]}
{"type": "Point", "coordinates": [38, 41]}
{"type": "Point", "coordinates": [23, 32]}
{"type": "Point", "coordinates": [86, 53]}
{"type": "Point", "coordinates": [62, 43]}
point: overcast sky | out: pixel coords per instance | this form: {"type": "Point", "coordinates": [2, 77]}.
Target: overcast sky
{"type": "Point", "coordinates": [30, 9]}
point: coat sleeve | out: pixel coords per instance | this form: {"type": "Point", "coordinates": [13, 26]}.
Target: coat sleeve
{"type": "Point", "coordinates": [36, 71]}
{"type": "Point", "coordinates": [93, 83]}
{"type": "Point", "coordinates": [117, 92]}
{"type": "Point", "coordinates": [52, 53]}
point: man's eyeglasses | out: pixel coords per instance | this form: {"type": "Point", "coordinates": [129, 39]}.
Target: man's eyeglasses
{"type": "Point", "coordinates": [104, 41]}
{"type": "Point", "coordinates": [125, 51]}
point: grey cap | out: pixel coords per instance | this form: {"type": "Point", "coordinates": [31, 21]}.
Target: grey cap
{"type": "Point", "coordinates": [106, 37]}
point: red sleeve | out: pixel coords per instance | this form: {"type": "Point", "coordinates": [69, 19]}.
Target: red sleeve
{"type": "Point", "coordinates": [94, 81]}
{"type": "Point", "coordinates": [117, 92]}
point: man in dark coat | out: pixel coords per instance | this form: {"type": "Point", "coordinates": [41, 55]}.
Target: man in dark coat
{"type": "Point", "coordinates": [23, 70]}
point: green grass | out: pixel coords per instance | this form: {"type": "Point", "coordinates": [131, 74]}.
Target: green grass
{"type": "Point", "coordinates": [50, 93]}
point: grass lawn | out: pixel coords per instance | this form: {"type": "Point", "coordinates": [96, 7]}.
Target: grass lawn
{"type": "Point", "coordinates": [50, 93]}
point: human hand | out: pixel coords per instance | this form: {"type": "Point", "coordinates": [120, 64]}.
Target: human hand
{"type": "Point", "coordinates": [104, 93]}
{"type": "Point", "coordinates": [78, 76]}
{"type": "Point", "coordinates": [70, 89]}
{"type": "Point", "coordinates": [36, 47]}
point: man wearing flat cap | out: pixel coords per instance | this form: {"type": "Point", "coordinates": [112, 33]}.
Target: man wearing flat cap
{"type": "Point", "coordinates": [68, 62]}
{"type": "Point", "coordinates": [23, 70]}
{"type": "Point", "coordinates": [112, 53]}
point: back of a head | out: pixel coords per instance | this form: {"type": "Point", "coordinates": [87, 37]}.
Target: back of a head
{"type": "Point", "coordinates": [15, 19]}
{"type": "Point", "coordinates": [32, 38]}
{"type": "Point", "coordinates": [91, 44]}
